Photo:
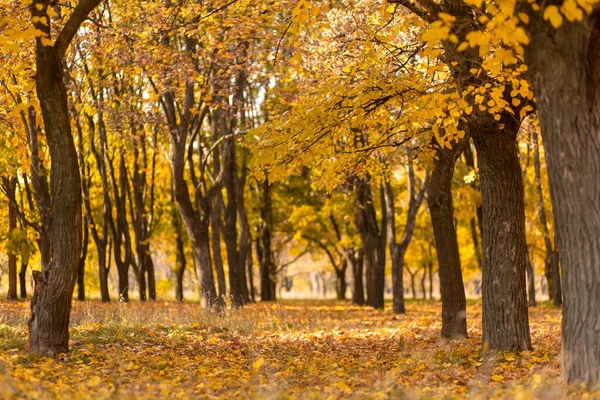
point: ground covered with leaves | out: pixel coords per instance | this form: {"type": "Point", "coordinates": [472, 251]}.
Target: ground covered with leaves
{"type": "Point", "coordinates": [290, 350]}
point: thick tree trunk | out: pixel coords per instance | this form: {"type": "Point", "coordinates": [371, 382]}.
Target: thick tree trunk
{"type": "Point", "coordinates": [564, 67]}
{"type": "Point", "coordinates": [454, 322]}
{"type": "Point", "coordinates": [54, 285]}
{"type": "Point", "coordinates": [504, 293]}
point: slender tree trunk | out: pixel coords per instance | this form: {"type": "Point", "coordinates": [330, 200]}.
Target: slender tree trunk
{"type": "Point", "coordinates": [263, 246]}
{"type": "Point", "coordinates": [530, 283]}
{"type": "Point", "coordinates": [245, 247]}
{"type": "Point", "coordinates": [441, 210]}
{"type": "Point", "coordinates": [230, 213]}
{"type": "Point", "coordinates": [564, 67]}
{"type": "Point", "coordinates": [552, 266]}
{"type": "Point", "coordinates": [504, 293]}
{"type": "Point", "coordinates": [180, 262]}
{"type": "Point", "coordinates": [413, 286]}
{"type": "Point", "coordinates": [10, 187]}
{"type": "Point", "coordinates": [340, 286]}
{"type": "Point", "coordinates": [423, 277]}
{"type": "Point", "coordinates": [23, 275]}
{"type": "Point", "coordinates": [355, 259]}
{"type": "Point", "coordinates": [82, 259]}
{"type": "Point", "coordinates": [215, 222]}
{"type": "Point", "coordinates": [477, 221]}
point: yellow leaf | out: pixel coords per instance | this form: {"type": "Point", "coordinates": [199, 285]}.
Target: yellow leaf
{"type": "Point", "coordinates": [552, 14]}
{"type": "Point", "coordinates": [571, 11]}
{"type": "Point", "coordinates": [497, 378]}
{"type": "Point", "coordinates": [258, 363]}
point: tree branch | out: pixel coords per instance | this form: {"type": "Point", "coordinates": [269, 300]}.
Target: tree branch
{"type": "Point", "coordinates": [80, 14]}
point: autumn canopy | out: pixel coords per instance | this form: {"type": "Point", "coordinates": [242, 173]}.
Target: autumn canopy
{"type": "Point", "coordinates": [432, 165]}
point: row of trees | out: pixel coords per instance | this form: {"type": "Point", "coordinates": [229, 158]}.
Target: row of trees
{"type": "Point", "coordinates": [177, 92]}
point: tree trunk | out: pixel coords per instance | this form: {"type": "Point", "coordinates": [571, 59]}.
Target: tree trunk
{"type": "Point", "coordinates": [245, 247]}
{"type": "Point", "coordinates": [82, 259]}
{"type": "Point", "coordinates": [23, 275]}
{"type": "Point", "coordinates": [373, 247]}
{"type": "Point", "coordinates": [54, 285]}
{"type": "Point", "coordinates": [215, 232]}
{"type": "Point", "coordinates": [340, 286]}
{"type": "Point", "coordinates": [557, 297]}
{"type": "Point", "coordinates": [564, 67]}
{"type": "Point", "coordinates": [504, 293]}
{"type": "Point", "coordinates": [413, 287]}
{"type": "Point", "coordinates": [454, 321]}
{"type": "Point", "coordinates": [263, 246]}
{"type": "Point", "coordinates": [354, 258]}
{"type": "Point", "coordinates": [423, 277]}
{"type": "Point", "coordinates": [478, 221]}
{"type": "Point", "coordinates": [180, 262]}
{"type": "Point", "coordinates": [530, 283]}
{"type": "Point", "coordinates": [10, 187]}
{"type": "Point", "coordinates": [230, 227]}
{"type": "Point", "coordinates": [552, 267]}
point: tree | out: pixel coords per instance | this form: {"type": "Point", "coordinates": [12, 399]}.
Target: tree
{"type": "Point", "coordinates": [563, 62]}
{"type": "Point", "coordinates": [454, 321]}
{"type": "Point", "coordinates": [51, 302]}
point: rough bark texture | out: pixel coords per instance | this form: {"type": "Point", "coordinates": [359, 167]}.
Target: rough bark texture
{"type": "Point", "coordinates": [54, 285]}
{"type": "Point", "coordinates": [564, 67]}
{"type": "Point", "coordinates": [504, 295]}
{"type": "Point", "coordinates": [454, 321]}
{"type": "Point", "coordinates": [82, 259]}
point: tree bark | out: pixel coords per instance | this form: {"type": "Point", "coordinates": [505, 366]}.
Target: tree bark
{"type": "Point", "coordinates": [82, 259]}
{"type": "Point", "coordinates": [504, 293]}
{"type": "Point", "coordinates": [10, 187]}
{"type": "Point", "coordinates": [552, 265]}
{"type": "Point", "coordinates": [23, 276]}
{"type": "Point", "coordinates": [355, 259]}
{"type": "Point", "coordinates": [54, 285]}
{"type": "Point", "coordinates": [530, 283]}
{"type": "Point", "coordinates": [215, 232]}
{"type": "Point", "coordinates": [245, 247]}
{"type": "Point", "coordinates": [564, 67]}
{"type": "Point", "coordinates": [263, 245]}
{"type": "Point", "coordinates": [441, 210]}
{"type": "Point", "coordinates": [373, 242]}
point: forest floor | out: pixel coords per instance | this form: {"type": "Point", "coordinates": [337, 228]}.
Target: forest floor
{"type": "Point", "coordinates": [302, 350]}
